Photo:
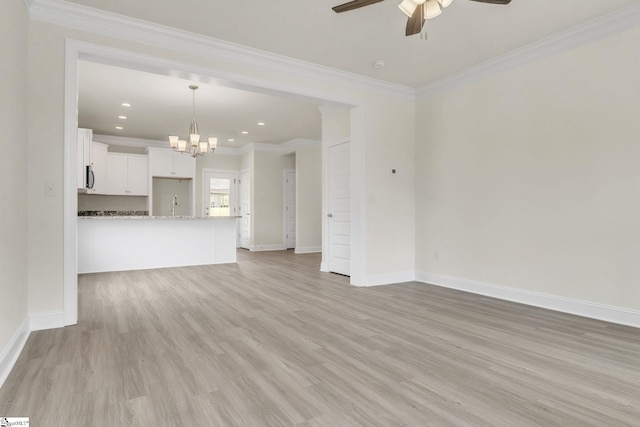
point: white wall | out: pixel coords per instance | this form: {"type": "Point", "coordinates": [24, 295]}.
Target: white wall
{"type": "Point", "coordinates": [336, 124]}
{"type": "Point", "coordinates": [13, 175]}
{"type": "Point", "coordinates": [163, 191]}
{"type": "Point", "coordinates": [386, 224]}
{"type": "Point", "coordinates": [308, 198]}
{"type": "Point", "coordinates": [529, 178]}
{"type": "Point", "coordinates": [268, 198]}
{"type": "Point", "coordinates": [390, 199]}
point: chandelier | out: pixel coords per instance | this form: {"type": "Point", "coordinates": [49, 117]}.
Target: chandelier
{"type": "Point", "coordinates": [192, 145]}
{"type": "Point", "coordinates": [431, 8]}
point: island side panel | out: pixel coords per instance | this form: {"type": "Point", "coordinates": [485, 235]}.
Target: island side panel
{"type": "Point", "coordinates": [225, 240]}
{"type": "Point", "coordinates": [120, 244]}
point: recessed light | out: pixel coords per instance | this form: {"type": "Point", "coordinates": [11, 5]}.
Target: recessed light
{"type": "Point", "coordinates": [244, 132]}
{"type": "Point", "coordinates": [231, 140]}
{"type": "Point", "coordinates": [122, 117]}
{"type": "Point", "coordinates": [119, 127]}
{"type": "Point", "coordinates": [260, 123]}
{"type": "Point", "coordinates": [126, 104]}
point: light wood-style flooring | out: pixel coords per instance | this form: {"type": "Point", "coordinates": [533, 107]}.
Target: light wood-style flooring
{"type": "Point", "coordinates": [271, 341]}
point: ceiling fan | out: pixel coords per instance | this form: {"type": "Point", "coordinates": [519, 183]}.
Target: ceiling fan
{"type": "Point", "coordinates": [418, 11]}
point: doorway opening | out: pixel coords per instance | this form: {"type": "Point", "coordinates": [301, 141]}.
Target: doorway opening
{"type": "Point", "coordinates": [219, 193]}
{"type": "Point", "coordinates": [77, 51]}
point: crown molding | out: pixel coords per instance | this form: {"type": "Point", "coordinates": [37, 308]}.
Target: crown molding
{"type": "Point", "coordinates": [595, 29]}
{"type": "Point", "coordinates": [85, 18]}
{"type": "Point", "coordinates": [129, 142]}
{"type": "Point", "coordinates": [294, 144]}
{"type": "Point", "coordinates": [330, 110]}
{"type": "Point", "coordinates": [283, 148]}
{"type": "Point", "coordinates": [260, 146]}
{"type": "Point", "coordinates": [80, 17]}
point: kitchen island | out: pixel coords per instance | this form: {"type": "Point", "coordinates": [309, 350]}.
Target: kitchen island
{"type": "Point", "coordinates": [118, 243]}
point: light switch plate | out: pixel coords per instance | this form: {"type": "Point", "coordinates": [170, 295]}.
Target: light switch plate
{"type": "Point", "coordinates": [49, 189]}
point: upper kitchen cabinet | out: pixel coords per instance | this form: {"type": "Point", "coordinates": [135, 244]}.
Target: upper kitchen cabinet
{"type": "Point", "coordinates": [127, 174]}
{"type": "Point", "coordinates": [166, 163]}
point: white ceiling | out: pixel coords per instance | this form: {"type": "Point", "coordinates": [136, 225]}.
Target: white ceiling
{"type": "Point", "coordinates": [466, 34]}
{"type": "Point", "coordinates": [162, 105]}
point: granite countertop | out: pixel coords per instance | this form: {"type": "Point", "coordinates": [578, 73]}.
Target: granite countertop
{"type": "Point", "coordinates": [142, 217]}
{"type": "Point", "coordinates": [112, 213]}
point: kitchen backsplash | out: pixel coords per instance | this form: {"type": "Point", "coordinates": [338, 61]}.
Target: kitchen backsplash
{"type": "Point", "coordinates": [95, 202]}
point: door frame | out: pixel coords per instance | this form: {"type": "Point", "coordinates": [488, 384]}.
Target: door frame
{"type": "Point", "coordinates": [358, 242]}
{"type": "Point", "coordinates": [284, 209]}
{"type": "Point", "coordinates": [326, 221]}
{"type": "Point", "coordinates": [250, 226]}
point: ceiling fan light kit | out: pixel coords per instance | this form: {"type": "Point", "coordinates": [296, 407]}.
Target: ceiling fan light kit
{"type": "Point", "coordinates": [409, 6]}
{"type": "Point", "coordinates": [432, 9]}
{"type": "Point", "coordinates": [418, 11]}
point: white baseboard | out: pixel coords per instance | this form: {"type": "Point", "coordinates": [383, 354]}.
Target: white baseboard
{"type": "Point", "coordinates": [592, 310]}
{"type": "Point", "coordinates": [47, 320]}
{"type": "Point", "coordinates": [308, 250]}
{"type": "Point", "coordinates": [262, 248]}
{"type": "Point", "coordinates": [386, 279]}
{"type": "Point", "coordinates": [12, 350]}
{"type": "Point", "coordinates": [324, 267]}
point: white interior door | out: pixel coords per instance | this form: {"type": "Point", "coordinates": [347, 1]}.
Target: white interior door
{"type": "Point", "coordinates": [339, 212]}
{"type": "Point", "coordinates": [290, 208]}
{"type": "Point", "coordinates": [244, 223]}
{"type": "Point", "coordinates": [219, 193]}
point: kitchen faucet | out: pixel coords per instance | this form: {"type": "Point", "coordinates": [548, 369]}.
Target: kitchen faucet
{"type": "Point", "coordinates": [174, 203]}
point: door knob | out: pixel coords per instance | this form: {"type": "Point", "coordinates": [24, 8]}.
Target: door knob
{"type": "Point", "coordinates": [330, 215]}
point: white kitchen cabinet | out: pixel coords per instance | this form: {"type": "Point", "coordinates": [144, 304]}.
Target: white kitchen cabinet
{"type": "Point", "coordinates": [166, 163]}
{"type": "Point", "coordinates": [184, 166]}
{"type": "Point", "coordinates": [127, 174]}
{"type": "Point", "coordinates": [99, 166]}
{"type": "Point", "coordinates": [138, 174]}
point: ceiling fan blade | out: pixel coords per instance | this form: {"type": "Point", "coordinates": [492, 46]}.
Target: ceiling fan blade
{"type": "Point", "coordinates": [494, 1]}
{"type": "Point", "coordinates": [353, 5]}
{"type": "Point", "coordinates": [416, 22]}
